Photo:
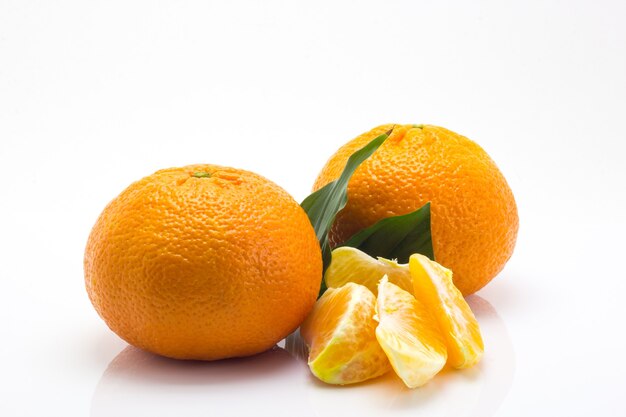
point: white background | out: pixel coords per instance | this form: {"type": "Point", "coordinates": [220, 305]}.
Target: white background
{"type": "Point", "coordinates": [94, 95]}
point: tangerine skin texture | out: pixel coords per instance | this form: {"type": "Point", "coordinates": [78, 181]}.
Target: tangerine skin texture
{"type": "Point", "coordinates": [203, 268]}
{"type": "Point", "coordinates": [474, 220]}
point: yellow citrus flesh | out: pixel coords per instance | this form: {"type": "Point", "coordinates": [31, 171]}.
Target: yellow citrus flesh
{"type": "Point", "coordinates": [435, 289]}
{"type": "Point", "coordinates": [351, 265]}
{"type": "Point", "coordinates": [341, 335]}
{"type": "Point", "coordinates": [409, 335]}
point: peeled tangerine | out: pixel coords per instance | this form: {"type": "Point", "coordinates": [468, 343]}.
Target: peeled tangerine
{"type": "Point", "coordinates": [434, 287]}
{"type": "Point", "coordinates": [340, 333]}
{"type": "Point", "coordinates": [431, 284]}
{"type": "Point", "coordinates": [352, 265]}
{"type": "Point", "coordinates": [408, 335]}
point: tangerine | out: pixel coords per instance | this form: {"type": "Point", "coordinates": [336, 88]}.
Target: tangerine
{"type": "Point", "coordinates": [203, 262]}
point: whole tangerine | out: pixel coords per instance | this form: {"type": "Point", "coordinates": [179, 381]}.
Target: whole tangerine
{"type": "Point", "coordinates": [203, 262]}
{"type": "Point", "coordinates": [474, 219]}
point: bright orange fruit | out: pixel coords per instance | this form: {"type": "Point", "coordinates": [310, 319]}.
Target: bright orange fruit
{"type": "Point", "coordinates": [435, 289]}
{"type": "Point", "coordinates": [203, 262]}
{"type": "Point", "coordinates": [409, 335]}
{"type": "Point", "coordinates": [340, 333]}
{"type": "Point", "coordinates": [474, 215]}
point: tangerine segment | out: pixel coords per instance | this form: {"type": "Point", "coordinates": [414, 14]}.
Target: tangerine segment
{"type": "Point", "coordinates": [352, 265]}
{"type": "Point", "coordinates": [341, 335]}
{"type": "Point", "coordinates": [409, 335]}
{"type": "Point", "coordinates": [435, 288]}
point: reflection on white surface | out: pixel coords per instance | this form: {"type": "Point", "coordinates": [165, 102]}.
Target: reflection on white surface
{"type": "Point", "coordinates": [277, 382]}
{"type": "Point", "coordinates": [498, 364]}
{"type": "Point", "coordinates": [137, 383]}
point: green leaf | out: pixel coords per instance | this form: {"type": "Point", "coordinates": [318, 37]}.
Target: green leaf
{"type": "Point", "coordinates": [323, 205]}
{"type": "Point", "coordinates": [397, 237]}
